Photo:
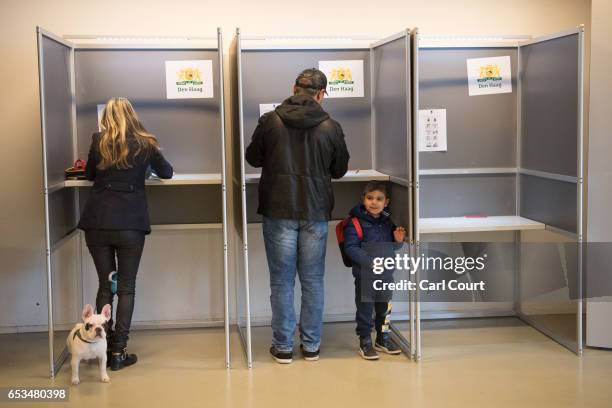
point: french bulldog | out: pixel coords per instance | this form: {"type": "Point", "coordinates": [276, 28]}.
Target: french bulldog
{"type": "Point", "coordinates": [87, 341]}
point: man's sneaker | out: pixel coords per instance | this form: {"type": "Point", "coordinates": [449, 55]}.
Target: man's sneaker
{"type": "Point", "coordinates": [281, 357]}
{"type": "Point", "coordinates": [366, 350]}
{"type": "Point", "coordinates": [309, 355]}
{"type": "Point", "coordinates": [385, 344]}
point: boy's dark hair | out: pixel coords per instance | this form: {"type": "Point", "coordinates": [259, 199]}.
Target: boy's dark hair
{"type": "Point", "coordinates": [376, 186]}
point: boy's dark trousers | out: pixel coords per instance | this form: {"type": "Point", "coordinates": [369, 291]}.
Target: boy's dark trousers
{"type": "Point", "coordinates": [373, 307]}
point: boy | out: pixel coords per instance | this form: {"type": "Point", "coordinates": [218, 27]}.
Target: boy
{"type": "Point", "coordinates": [373, 218]}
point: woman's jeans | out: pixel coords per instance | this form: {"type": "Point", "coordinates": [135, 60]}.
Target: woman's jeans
{"type": "Point", "coordinates": [296, 246]}
{"type": "Point", "coordinates": [116, 251]}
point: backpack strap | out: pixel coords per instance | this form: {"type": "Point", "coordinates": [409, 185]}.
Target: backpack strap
{"type": "Point", "coordinates": [357, 226]}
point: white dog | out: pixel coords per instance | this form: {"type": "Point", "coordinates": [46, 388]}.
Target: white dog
{"type": "Point", "coordinates": [87, 341]}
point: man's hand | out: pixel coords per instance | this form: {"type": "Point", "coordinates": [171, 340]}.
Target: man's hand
{"type": "Point", "coordinates": [399, 234]}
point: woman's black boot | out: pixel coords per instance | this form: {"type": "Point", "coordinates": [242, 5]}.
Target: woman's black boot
{"type": "Point", "coordinates": [121, 359]}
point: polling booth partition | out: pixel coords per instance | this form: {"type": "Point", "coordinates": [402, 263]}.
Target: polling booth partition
{"type": "Point", "coordinates": [499, 171]}
{"type": "Point", "coordinates": [369, 95]}
{"type": "Point", "coordinates": [176, 87]}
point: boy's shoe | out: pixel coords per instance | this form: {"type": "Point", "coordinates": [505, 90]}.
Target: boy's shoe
{"type": "Point", "coordinates": [309, 355]}
{"type": "Point", "coordinates": [385, 344]}
{"type": "Point", "coordinates": [281, 357]}
{"type": "Point", "coordinates": [366, 350]}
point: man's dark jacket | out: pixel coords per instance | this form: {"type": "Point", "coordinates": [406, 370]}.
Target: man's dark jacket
{"type": "Point", "coordinates": [300, 149]}
{"type": "Point", "coordinates": [118, 200]}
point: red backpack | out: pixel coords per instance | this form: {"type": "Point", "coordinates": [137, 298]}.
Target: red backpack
{"type": "Point", "coordinates": [340, 236]}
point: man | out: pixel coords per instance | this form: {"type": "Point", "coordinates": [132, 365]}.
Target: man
{"type": "Point", "coordinates": [300, 149]}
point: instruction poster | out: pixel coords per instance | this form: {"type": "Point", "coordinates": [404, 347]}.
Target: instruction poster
{"type": "Point", "coordinates": [432, 130]}
{"type": "Point", "coordinates": [189, 79]}
{"type": "Point", "coordinates": [267, 107]}
{"type": "Point", "coordinates": [488, 76]}
{"type": "Point", "coordinates": [344, 78]}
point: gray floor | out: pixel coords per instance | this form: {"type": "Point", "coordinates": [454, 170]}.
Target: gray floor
{"type": "Point", "coordinates": [477, 363]}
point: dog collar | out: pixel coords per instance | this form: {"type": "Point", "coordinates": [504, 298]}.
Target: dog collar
{"type": "Point", "coordinates": [78, 334]}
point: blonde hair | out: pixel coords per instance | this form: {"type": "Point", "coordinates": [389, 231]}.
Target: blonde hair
{"type": "Point", "coordinates": [119, 121]}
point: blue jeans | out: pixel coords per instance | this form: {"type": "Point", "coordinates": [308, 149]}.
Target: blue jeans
{"type": "Point", "coordinates": [296, 246]}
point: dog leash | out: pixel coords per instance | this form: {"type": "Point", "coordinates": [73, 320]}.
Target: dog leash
{"type": "Point", "coordinates": [112, 278]}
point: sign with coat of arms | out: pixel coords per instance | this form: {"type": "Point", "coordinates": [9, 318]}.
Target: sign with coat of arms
{"type": "Point", "coordinates": [489, 75]}
{"type": "Point", "coordinates": [344, 78]}
{"type": "Point", "coordinates": [189, 79]}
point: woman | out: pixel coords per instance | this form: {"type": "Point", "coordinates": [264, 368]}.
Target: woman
{"type": "Point", "coordinates": [115, 218]}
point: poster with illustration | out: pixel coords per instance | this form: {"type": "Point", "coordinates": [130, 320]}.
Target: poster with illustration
{"type": "Point", "coordinates": [189, 79]}
{"type": "Point", "coordinates": [488, 76]}
{"type": "Point", "coordinates": [432, 130]}
{"type": "Point", "coordinates": [344, 78]}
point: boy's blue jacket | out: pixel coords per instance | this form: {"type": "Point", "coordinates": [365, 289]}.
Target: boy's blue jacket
{"type": "Point", "coordinates": [374, 230]}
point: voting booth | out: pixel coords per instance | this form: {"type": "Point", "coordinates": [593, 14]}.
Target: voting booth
{"type": "Point", "coordinates": [499, 169]}
{"type": "Point", "coordinates": [374, 110]}
{"type": "Point", "coordinates": [176, 87]}
{"type": "Point", "coordinates": [480, 141]}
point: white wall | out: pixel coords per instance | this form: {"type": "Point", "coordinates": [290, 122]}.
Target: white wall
{"type": "Point", "coordinates": [22, 275]}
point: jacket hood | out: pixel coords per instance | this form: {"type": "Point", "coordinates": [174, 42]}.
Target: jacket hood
{"type": "Point", "coordinates": [360, 212]}
{"type": "Point", "coordinates": [301, 111]}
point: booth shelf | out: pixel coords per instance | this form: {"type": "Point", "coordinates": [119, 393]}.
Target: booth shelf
{"type": "Point", "coordinates": [351, 175]}
{"type": "Point", "coordinates": [177, 179]}
{"type": "Point", "coordinates": [156, 227]}
{"type": "Point", "coordinates": [477, 224]}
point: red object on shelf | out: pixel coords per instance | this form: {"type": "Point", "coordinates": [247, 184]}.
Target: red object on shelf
{"type": "Point", "coordinates": [476, 216]}
{"type": "Point", "coordinates": [80, 164]}
{"type": "Point", "coordinates": [76, 172]}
